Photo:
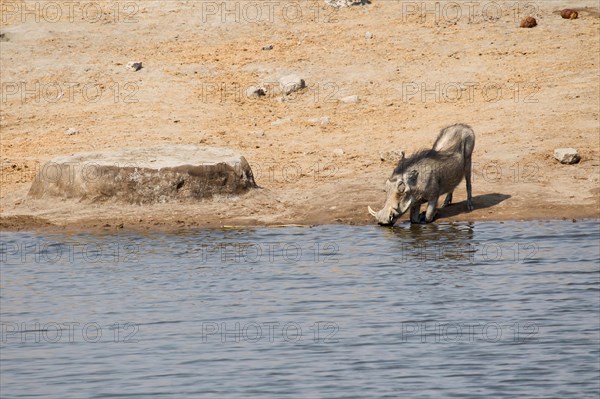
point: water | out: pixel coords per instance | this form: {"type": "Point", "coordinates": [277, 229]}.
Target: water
{"type": "Point", "coordinates": [441, 310]}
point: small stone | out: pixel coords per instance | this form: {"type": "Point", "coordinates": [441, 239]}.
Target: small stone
{"type": "Point", "coordinates": [350, 99]}
{"type": "Point", "coordinates": [279, 122]}
{"type": "Point", "coordinates": [393, 155]}
{"type": "Point", "coordinates": [339, 152]}
{"type": "Point", "coordinates": [567, 156]}
{"type": "Point", "coordinates": [368, 35]}
{"type": "Point", "coordinates": [134, 66]}
{"type": "Point", "coordinates": [345, 3]}
{"type": "Point", "coordinates": [255, 91]}
{"type": "Point", "coordinates": [324, 120]}
{"type": "Point", "coordinates": [567, 13]}
{"type": "Point", "coordinates": [71, 131]}
{"type": "Point", "coordinates": [268, 47]}
{"type": "Point", "coordinates": [291, 83]}
{"type": "Point", "coordinates": [259, 133]}
{"type": "Point", "coordinates": [528, 22]}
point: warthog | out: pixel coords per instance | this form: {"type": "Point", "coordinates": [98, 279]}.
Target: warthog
{"type": "Point", "coordinates": [428, 174]}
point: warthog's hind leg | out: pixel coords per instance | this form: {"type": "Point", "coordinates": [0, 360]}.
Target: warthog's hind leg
{"type": "Point", "coordinates": [469, 187]}
{"type": "Point", "coordinates": [448, 199]}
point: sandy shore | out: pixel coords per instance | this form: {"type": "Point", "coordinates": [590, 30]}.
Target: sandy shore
{"type": "Point", "coordinates": [524, 91]}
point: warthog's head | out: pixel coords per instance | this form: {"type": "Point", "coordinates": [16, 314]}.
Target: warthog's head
{"type": "Point", "coordinates": [399, 198]}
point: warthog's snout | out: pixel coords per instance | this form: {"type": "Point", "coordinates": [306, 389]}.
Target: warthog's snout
{"type": "Point", "coordinates": [389, 214]}
{"type": "Point", "coordinates": [399, 199]}
{"type": "Point", "coordinates": [385, 218]}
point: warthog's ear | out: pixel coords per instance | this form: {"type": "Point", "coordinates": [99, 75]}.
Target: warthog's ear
{"type": "Point", "coordinates": [411, 177]}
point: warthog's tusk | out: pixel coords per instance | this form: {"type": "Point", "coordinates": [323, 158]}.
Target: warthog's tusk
{"type": "Point", "coordinates": [372, 212]}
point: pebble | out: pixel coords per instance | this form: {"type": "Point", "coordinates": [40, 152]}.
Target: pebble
{"type": "Point", "coordinates": [255, 91]}
{"type": "Point", "coordinates": [291, 83]}
{"type": "Point", "coordinates": [134, 65]}
{"type": "Point", "coordinates": [567, 156]}
{"type": "Point", "coordinates": [281, 121]}
{"type": "Point", "coordinates": [528, 22]}
{"type": "Point", "coordinates": [324, 120]}
{"type": "Point", "coordinates": [350, 99]}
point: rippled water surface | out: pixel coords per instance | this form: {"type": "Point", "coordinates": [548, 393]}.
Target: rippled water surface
{"type": "Point", "coordinates": [441, 310]}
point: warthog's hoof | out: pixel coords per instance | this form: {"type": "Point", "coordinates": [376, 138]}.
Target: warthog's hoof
{"type": "Point", "coordinates": [423, 218]}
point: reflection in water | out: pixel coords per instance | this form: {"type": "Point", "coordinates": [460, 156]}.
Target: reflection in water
{"type": "Point", "coordinates": [435, 242]}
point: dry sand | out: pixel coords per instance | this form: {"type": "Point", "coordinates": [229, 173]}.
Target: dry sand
{"type": "Point", "coordinates": [524, 91]}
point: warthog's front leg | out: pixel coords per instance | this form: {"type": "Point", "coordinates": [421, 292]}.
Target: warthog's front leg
{"type": "Point", "coordinates": [448, 199]}
{"type": "Point", "coordinates": [414, 213]}
{"type": "Point", "coordinates": [431, 210]}
{"type": "Point", "coordinates": [429, 214]}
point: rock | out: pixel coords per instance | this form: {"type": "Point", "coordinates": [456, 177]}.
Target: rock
{"type": "Point", "coordinates": [281, 121]}
{"type": "Point", "coordinates": [324, 120]}
{"type": "Point", "coordinates": [134, 66]}
{"type": "Point", "coordinates": [567, 13]}
{"type": "Point", "coordinates": [368, 35]}
{"type": "Point", "coordinates": [567, 155]}
{"type": "Point", "coordinates": [255, 91]}
{"type": "Point", "coordinates": [268, 47]}
{"type": "Point", "coordinates": [291, 83]}
{"type": "Point", "coordinates": [145, 175]}
{"type": "Point", "coordinates": [528, 22]}
{"type": "Point", "coordinates": [339, 152]}
{"type": "Point", "coordinates": [345, 3]}
{"type": "Point", "coordinates": [393, 156]}
{"type": "Point", "coordinates": [350, 99]}
{"type": "Point", "coordinates": [71, 131]}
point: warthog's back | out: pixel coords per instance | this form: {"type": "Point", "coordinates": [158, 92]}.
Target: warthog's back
{"type": "Point", "coordinates": [456, 138]}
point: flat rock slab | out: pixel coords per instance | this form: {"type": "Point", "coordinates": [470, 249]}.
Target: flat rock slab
{"type": "Point", "coordinates": [155, 174]}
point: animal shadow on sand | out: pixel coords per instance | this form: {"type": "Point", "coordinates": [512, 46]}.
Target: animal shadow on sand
{"type": "Point", "coordinates": [479, 202]}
